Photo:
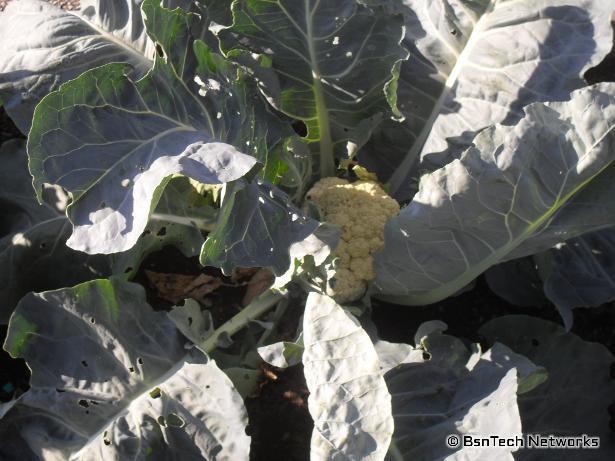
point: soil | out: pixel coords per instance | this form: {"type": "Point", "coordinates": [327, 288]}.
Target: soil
{"type": "Point", "coordinates": [225, 301]}
{"type": "Point", "coordinates": [14, 374]}
{"type": "Point", "coordinates": [280, 424]}
{"type": "Point", "coordinates": [8, 130]}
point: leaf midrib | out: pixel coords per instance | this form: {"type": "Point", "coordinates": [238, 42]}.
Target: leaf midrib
{"type": "Point", "coordinates": [112, 38]}
{"type": "Point", "coordinates": [327, 163]}
{"type": "Point", "coordinates": [401, 173]}
{"type": "Point", "coordinates": [462, 280]}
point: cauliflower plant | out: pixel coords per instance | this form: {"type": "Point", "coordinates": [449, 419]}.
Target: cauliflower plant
{"type": "Point", "coordinates": [360, 209]}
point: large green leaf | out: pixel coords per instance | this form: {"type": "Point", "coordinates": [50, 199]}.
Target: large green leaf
{"type": "Point", "coordinates": [33, 237]}
{"type": "Point", "coordinates": [111, 379]}
{"type": "Point", "coordinates": [59, 45]}
{"type": "Point", "coordinates": [479, 62]}
{"type": "Point", "coordinates": [174, 25]}
{"type": "Point", "coordinates": [257, 226]}
{"type": "Point", "coordinates": [349, 400]}
{"type": "Point", "coordinates": [117, 141]}
{"type": "Point", "coordinates": [247, 122]}
{"type": "Point", "coordinates": [113, 144]}
{"type": "Point", "coordinates": [330, 63]}
{"type": "Point", "coordinates": [457, 392]}
{"type": "Point", "coordinates": [257, 212]}
{"type": "Point", "coordinates": [574, 399]}
{"type": "Point", "coordinates": [519, 190]}
{"type": "Point", "coordinates": [33, 244]}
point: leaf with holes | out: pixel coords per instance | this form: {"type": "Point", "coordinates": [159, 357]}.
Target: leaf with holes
{"type": "Point", "coordinates": [455, 391]}
{"type": "Point", "coordinates": [111, 379]}
{"type": "Point", "coordinates": [332, 64]}
{"type": "Point", "coordinates": [579, 389]}
{"type": "Point", "coordinates": [179, 220]}
{"type": "Point", "coordinates": [156, 128]}
{"type": "Point", "coordinates": [114, 143]}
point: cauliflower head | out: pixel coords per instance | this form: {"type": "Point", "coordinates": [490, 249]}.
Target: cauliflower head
{"type": "Point", "coordinates": [360, 209]}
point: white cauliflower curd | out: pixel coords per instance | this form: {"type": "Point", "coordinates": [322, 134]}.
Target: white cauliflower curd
{"type": "Point", "coordinates": [360, 209]}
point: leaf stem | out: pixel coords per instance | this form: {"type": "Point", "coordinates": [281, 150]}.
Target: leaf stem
{"type": "Point", "coordinates": [394, 452]}
{"type": "Point", "coordinates": [199, 223]}
{"type": "Point", "coordinates": [252, 311]}
{"type": "Point", "coordinates": [327, 161]}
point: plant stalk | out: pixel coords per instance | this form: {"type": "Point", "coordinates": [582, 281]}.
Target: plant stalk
{"type": "Point", "coordinates": [327, 161]}
{"type": "Point", "coordinates": [201, 224]}
{"type": "Point", "coordinates": [252, 311]}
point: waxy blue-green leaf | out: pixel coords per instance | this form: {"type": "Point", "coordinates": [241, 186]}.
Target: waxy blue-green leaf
{"type": "Point", "coordinates": [195, 323]}
{"type": "Point", "coordinates": [517, 281]}
{"type": "Point", "coordinates": [349, 400]}
{"type": "Point", "coordinates": [575, 273]}
{"type": "Point", "coordinates": [575, 398]}
{"type": "Point", "coordinates": [113, 144]}
{"type": "Point", "coordinates": [517, 191]}
{"type": "Point", "coordinates": [44, 46]}
{"type": "Point", "coordinates": [247, 121]}
{"type": "Point", "coordinates": [580, 272]}
{"type": "Point", "coordinates": [460, 392]}
{"type": "Point", "coordinates": [330, 63]}
{"type": "Point", "coordinates": [244, 119]}
{"type": "Point", "coordinates": [180, 219]}
{"type": "Point", "coordinates": [308, 257]}
{"type": "Point", "coordinates": [283, 354]}
{"type": "Point", "coordinates": [479, 62]}
{"type": "Point", "coordinates": [111, 379]}
{"type": "Point", "coordinates": [171, 31]}
{"type": "Point", "coordinates": [174, 25]}
{"type": "Point", "coordinates": [117, 141]}
{"type": "Point", "coordinates": [33, 236]}
{"type": "Point", "coordinates": [257, 225]}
